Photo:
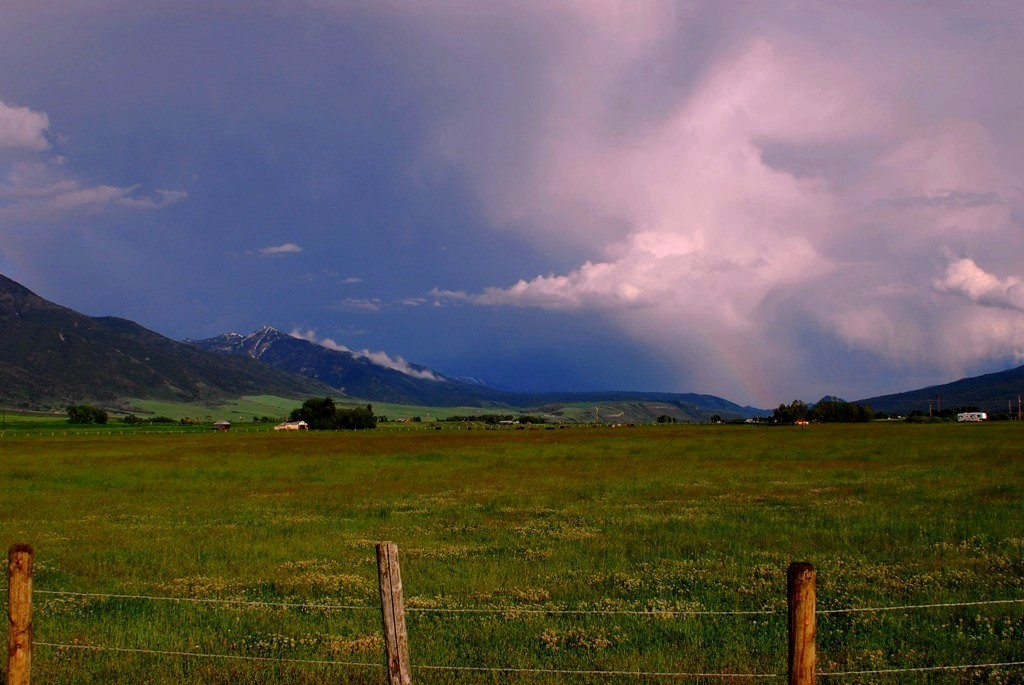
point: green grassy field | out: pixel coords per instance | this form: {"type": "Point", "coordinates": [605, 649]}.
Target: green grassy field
{"type": "Point", "coordinates": [702, 518]}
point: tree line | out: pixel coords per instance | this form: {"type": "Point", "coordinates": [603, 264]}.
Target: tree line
{"type": "Point", "coordinates": [826, 411]}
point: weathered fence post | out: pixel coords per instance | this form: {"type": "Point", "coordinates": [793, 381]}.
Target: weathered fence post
{"type": "Point", "coordinates": [802, 623]}
{"type": "Point", "coordinates": [396, 641]}
{"type": "Point", "coordinates": [19, 614]}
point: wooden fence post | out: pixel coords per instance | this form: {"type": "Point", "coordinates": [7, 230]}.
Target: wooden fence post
{"type": "Point", "coordinates": [19, 614]}
{"type": "Point", "coordinates": [802, 623]}
{"type": "Point", "coordinates": [396, 641]}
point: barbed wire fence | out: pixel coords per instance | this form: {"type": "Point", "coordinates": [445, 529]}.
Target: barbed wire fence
{"type": "Point", "coordinates": [801, 612]}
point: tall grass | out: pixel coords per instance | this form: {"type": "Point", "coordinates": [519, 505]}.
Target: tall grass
{"type": "Point", "coordinates": [668, 518]}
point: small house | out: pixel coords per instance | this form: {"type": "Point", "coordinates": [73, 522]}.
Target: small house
{"type": "Point", "coordinates": [292, 426]}
{"type": "Point", "coordinates": [222, 426]}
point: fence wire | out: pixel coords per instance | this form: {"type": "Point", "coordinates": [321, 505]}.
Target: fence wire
{"type": "Point", "coordinates": [534, 671]}
{"type": "Point", "coordinates": [203, 655]}
{"type": "Point", "coordinates": [922, 669]}
{"type": "Point", "coordinates": [423, 667]}
{"type": "Point", "coordinates": [512, 611]}
{"type": "Point", "coordinates": [908, 607]}
{"type": "Point", "coordinates": [202, 600]}
{"type": "Point", "coordinates": [506, 611]}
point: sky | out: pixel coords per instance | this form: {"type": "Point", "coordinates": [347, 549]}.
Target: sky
{"type": "Point", "coordinates": [763, 200]}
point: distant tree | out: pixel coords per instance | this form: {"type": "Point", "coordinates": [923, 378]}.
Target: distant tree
{"type": "Point", "coordinates": [359, 418]}
{"type": "Point", "coordinates": [318, 413]}
{"type": "Point", "coordinates": [530, 419]}
{"type": "Point", "coordinates": [665, 418]}
{"type": "Point", "coordinates": [791, 413]}
{"type": "Point", "coordinates": [323, 414]}
{"type": "Point", "coordinates": [86, 413]}
{"type": "Point", "coordinates": [133, 419]}
{"type": "Point", "coordinates": [837, 411]}
{"type": "Point", "coordinates": [715, 418]}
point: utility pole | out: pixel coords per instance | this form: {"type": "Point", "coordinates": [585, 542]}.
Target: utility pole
{"type": "Point", "coordinates": [938, 403]}
{"type": "Point", "coordinates": [929, 409]}
{"type": "Point", "coordinates": [1018, 407]}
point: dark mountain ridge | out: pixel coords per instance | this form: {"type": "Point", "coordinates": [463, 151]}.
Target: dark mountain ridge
{"type": "Point", "coordinates": [991, 392]}
{"type": "Point", "coordinates": [357, 375]}
{"type": "Point", "coordinates": [51, 356]}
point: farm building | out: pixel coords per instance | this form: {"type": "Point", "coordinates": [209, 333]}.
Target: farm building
{"type": "Point", "coordinates": [222, 426]}
{"type": "Point", "coordinates": [292, 426]}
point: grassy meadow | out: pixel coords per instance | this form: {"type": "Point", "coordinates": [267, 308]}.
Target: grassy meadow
{"type": "Point", "coordinates": [601, 520]}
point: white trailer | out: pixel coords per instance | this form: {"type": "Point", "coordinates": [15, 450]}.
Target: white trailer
{"type": "Point", "coordinates": [972, 416]}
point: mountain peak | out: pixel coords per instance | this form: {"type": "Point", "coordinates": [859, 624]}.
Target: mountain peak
{"type": "Point", "coordinates": [8, 285]}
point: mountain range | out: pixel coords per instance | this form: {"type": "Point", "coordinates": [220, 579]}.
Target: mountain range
{"type": "Point", "coordinates": [358, 375]}
{"type": "Point", "coordinates": [349, 372]}
{"type": "Point", "coordinates": [51, 356]}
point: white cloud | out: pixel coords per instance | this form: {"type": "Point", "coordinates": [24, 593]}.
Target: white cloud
{"type": "Point", "coordinates": [23, 129]}
{"type": "Point", "coordinates": [379, 358]}
{"type": "Point", "coordinates": [371, 304]}
{"type": "Point", "coordinates": [35, 188]}
{"type": "Point", "coordinates": [965, 278]}
{"type": "Point", "coordinates": [286, 248]}
{"type": "Point", "coordinates": [37, 192]}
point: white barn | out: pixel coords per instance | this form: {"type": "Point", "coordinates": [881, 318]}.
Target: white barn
{"type": "Point", "coordinates": [292, 426]}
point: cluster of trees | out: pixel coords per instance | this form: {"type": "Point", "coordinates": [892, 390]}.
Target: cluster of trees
{"type": "Point", "coordinates": [826, 411]}
{"type": "Point", "coordinates": [323, 414]}
{"type": "Point", "coordinates": [136, 420]}
{"type": "Point", "coordinates": [86, 413]}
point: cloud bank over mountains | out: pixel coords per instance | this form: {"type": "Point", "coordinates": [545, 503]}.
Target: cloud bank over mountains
{"type": "Point", "coordinates": [380, 358]}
